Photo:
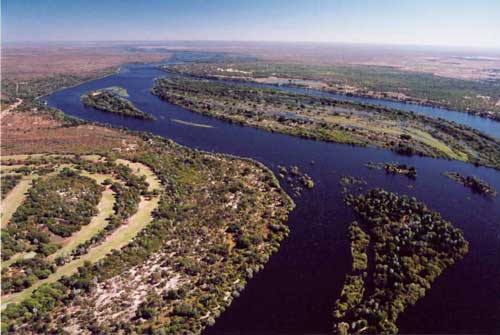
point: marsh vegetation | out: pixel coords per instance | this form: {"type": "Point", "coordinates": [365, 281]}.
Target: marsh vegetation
{"type": "Point", "coordinates": [474, 183]}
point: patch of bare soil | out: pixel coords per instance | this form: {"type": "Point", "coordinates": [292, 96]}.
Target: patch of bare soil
{"type": "Point", "coordinates": [31, 133]}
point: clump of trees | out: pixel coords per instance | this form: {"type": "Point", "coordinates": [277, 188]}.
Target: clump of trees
{"type": "Point", "coordinates": [23, 273]}
{"type": "Point", "coordinates": [296, 179]}
{"type": "Point", "coordinates": [411, 247]}
{"type": "Point", "coordinates": [396, 168]}
{"type": "Point", "coordinates": [109, 100]}
{"type": "Point", "coordinates": [353, 290]}
{"type": "Point", "coordinates": [476, 184]}
{"type": "Point", "coordinates": [8, 182]}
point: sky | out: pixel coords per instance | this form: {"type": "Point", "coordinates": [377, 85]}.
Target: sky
{"type": "Point", "coordinates": [474, 23]}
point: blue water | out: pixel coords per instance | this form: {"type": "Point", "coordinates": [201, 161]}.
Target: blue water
{"type": "Point", "coordinates": [295, 292]}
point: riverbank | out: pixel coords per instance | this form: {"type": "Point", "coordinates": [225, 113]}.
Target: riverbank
{"type": "Point", "coordinates": [227, 230]}
{"type": "Point", "coordinates": [326, 119]}
{"type": "Point", "coordinates": [474, 97]}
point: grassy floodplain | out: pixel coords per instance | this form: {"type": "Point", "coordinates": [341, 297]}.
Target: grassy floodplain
{"type": "Point", "coordinates": [479, 97]}
{"type": "Point", "coordinates": [331, 120]}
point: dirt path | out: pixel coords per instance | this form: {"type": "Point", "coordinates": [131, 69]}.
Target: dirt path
{"type": "Point", "coordinates": [10, 108]}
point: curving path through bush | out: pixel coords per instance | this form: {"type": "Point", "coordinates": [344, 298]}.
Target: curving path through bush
{"type": "Point", "coordinates": [14, 199]}
{"type": "Point", "coordinates": [119, 238]}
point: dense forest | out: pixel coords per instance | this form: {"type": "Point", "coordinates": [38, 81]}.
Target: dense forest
{"type": "Point", "coordinates": [410, 247]}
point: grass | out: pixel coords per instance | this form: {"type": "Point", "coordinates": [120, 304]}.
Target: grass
{"type": "Point", "coordinates": [93, 158]}
{"type": "Point", "coordinates": [13, 199]}
{"type": "Point", "coordinates": [429, 140]}
{"type": "Point", "coordinates": [98, 223]}
{"type": "Point", "coordinates": [116, 240]}
{"type": "Point", "coordinates": [390, 127]}
{"type": "Point", "coordinates": [8, 168]}
{"type": "Point", "coordinates": [14, 258]}
{"type": "Point", "coordinates": [118, 90]}
{"type": "Point", "coordinates": [99, 178]}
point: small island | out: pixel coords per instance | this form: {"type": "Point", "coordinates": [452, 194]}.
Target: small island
{"type": "Point", "coordinates": [297, 180]}
{"type": "Point", "coordinates": [327, 119]}
{"type": "Point", "coordinates": [113, 100]}
{"type": "Point", "coordinates": [394, 168]}
{"type": "Point", "coordinates": [398, 249]}
{"type": "Point", "coordinates": [476, 184]}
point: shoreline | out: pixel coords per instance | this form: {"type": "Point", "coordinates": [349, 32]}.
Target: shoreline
{"type": "Point", "coordinates": [409, 101]}
{"type": "Point", "coordinates": [73, 119]}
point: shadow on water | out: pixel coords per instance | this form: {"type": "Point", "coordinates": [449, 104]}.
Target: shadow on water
{"type": "Point", "coordinates": [295, 292]}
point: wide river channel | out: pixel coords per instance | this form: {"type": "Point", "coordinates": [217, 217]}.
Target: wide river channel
{"type": "Point", "coordinates": [296, 291]}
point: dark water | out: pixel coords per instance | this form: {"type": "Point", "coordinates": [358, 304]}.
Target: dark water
{"type": "Point", "coordinates": [295, 292]}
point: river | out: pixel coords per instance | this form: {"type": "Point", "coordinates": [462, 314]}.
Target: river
{"type": "Point", "coordinates": [295, 292]}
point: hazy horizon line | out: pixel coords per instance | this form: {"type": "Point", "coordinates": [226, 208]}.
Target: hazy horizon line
{"type": "Point", "coordinates": [450, 46]}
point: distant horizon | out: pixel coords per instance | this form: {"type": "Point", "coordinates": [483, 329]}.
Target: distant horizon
{"type": "Point", "coordinates": [152, 42]}
{"type": "Point", "coordinates": [445, 23]}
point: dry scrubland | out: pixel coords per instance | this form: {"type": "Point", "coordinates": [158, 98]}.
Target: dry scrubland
{"type": "Point", "coordinates": [33, 70]}
{"type": "Point", "coordinates": [23, 62]}
{"type": "Point", "coordinates": [35, 133]}
{"type": "Point", "coordinates": [446, 62]}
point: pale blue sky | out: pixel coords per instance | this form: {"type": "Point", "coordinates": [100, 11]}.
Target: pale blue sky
{"type": "Point", "coordinates": [431, 22]}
